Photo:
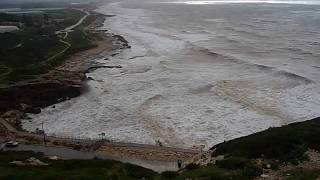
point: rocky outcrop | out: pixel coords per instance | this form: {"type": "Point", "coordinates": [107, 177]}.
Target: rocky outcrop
{"type": "Point", "coordinates": [93, 68]}
{"type": "Point", "coordinates": [122, 41]}
{"type": "Point", "coordinates": [29, 162]}
{"type": "Point", "coordinates": [48, 89]}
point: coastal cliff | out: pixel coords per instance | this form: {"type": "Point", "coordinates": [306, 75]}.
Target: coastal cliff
{"type": "Point", "coordinates": [45, 91]}
{"type": "Point", "coordinates": [66, 77]}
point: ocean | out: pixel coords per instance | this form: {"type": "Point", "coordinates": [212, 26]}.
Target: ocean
{"type": "Point", "coordinates": [198, 73]}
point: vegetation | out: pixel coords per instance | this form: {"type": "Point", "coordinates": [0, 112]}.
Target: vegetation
{"type": "Point", "coordinates": [68, 17]}
{"type": "Point", "coordinates": [303, 174]}
{"type": "Point", "coordinates": [274, 146]}
{"type": "Point", "coordinates": [36, 48]}
{"type": "Point", "coordinates": [213, 172]}
{"type": "Point", "coordinates": [286, 144]}
{"type": "Point", "coordinates": [102, 169]}
{"type": "Point", "coordinates": [69, 169]}
{"type": "Point", "coordinates": [234, 163]}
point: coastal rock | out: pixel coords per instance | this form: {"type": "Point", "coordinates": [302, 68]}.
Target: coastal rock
{"type": "Point", "coordinates": [31, 162]}
{"type": "Point", "coordinates": [25, 107]}
{"type": "Point", "coordinates": [120, 38]}
{"type": "Point", "coordinates": [13, 114]}
{"type": "Point", "coordinates": [90, 79]}
{"type": "Point", "coordinates": [14, 117]}
{"type": "Point", "coordinates": [29, 109]}
{"type": "Point", "coordinates": [93, 68]}
{"type": "Point", "coordinates": [36, 110]}
{"type": "Point", "coordinates": [31, 96]}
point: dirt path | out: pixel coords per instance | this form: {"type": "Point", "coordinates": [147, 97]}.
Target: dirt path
{"type": "Point", "coordinates": [79, 22]}
{"type": "Point", "coordinates": [70, 28]}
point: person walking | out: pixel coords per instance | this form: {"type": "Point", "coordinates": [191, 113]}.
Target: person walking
{"type": "Point", "coordinates": [179, 163]}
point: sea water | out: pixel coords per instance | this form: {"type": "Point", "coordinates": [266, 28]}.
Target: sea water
{"type": "Point", "coordinates": [198, 73]}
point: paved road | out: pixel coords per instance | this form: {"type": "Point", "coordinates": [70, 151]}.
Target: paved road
{"type": "Point", "coordinates": [67, 153]}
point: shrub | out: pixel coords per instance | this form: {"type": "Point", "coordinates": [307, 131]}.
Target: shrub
{"type": "Point", "coordinates": [233, 163]}
{"type": "Point", "coordinates": [287, 144]}
{"type": "Point", "coordinates": [170, 174]}
{"type": "Point", "coordinates": [192, 166]}
{"type": "Point", "coordinates": [252, 171]}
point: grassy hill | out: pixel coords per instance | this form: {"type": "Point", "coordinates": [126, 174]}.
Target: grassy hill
{"type": "Point", "coordinates": [286, 144]}
{"type": "Point", "coordinates": [35, 48]}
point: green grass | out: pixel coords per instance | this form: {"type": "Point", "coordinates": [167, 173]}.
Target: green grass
{"type": "Point", "coordinates": [69, 169]}
{"type": "Point", "coordinates": [286, 144]}
{"type": "Point", "coordinates": [234, 163]}
{"type": "Point", "coordinates": [69, 16]}
{"type": "Point", "coordinates": [80, 40]}
{"type": "Point", "coordinates": [34, 50]}
{"type": "Point", "coordinates": [213, 172]}
{"type": "Point", "coordinates": [22, 69]}
{"type": "Point", "coordinates": [4, 69]}
{"type": "Point", "coordinates": [104, 169]}
{"type": "Point", "coordinates": [303, 175]}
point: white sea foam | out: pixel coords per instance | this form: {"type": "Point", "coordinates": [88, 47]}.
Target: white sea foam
{"type": "Point", "coordinates": [172, 87]}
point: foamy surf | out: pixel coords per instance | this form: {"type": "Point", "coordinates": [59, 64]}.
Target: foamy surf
{"type": "Point", "coordinates": [196, 76]}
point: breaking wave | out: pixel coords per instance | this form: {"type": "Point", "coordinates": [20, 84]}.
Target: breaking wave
{"type": "Point", "coordinates": [296, 77]}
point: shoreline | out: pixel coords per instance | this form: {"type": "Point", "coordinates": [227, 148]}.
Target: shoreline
{"type": "Point", "coordinates": [157, 158]}
{"type": "Point", "coordinates": [67, 81]}
{"type": "Point", "coordinates": [63, 82]}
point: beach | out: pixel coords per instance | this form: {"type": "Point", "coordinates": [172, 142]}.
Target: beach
{"type": "Point", "coordinates": [200, 82]}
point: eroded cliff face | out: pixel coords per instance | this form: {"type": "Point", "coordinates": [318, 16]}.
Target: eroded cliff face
{"type": "Point", "coordinates": [48, 89]}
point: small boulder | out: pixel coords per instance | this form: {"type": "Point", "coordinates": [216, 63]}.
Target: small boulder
{"type": "Point", "coordinates": [35, 162]}
{"type": "Point", "coordinates": [13, 114]}
{"type": "Point", "coordinates": [25, 107]}
{"type": "Point", "coordinates": [268, 166]}
{"type": "Point", "coordinates": [53, 158]}
{"type": "Point", "coordinates": [30, 162]}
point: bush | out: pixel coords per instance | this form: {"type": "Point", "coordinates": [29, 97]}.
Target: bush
{"type": "Point", "coordinates": [252, 171]}
{"type": "Point", "coordinates": [287, 144]}
{"type": "Point", "coordinates": [233, 163]}
{"type": "Point", "coordinates": [192, 166]}
{"type": "Point", "coordinates": [170, 174]}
